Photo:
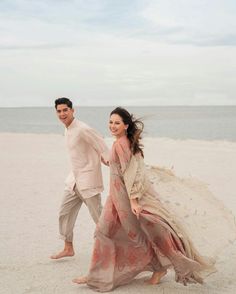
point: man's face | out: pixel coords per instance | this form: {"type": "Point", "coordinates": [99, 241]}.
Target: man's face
{"type": "Point", "coordinates": [65, 114]}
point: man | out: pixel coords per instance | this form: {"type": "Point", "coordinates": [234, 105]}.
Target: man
{"type": "Point", "coordinates": [84, 184]}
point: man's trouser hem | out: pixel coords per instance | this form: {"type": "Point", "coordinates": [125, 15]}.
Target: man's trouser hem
{"type": "Point", "coordinates": [64, 238]}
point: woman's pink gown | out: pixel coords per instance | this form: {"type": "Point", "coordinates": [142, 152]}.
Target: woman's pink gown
{"type": "Point", "coordinates": [124, 246]}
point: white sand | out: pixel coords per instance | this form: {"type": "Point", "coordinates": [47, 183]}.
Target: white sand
{"type": "Point", "coordinates": [33, 168]}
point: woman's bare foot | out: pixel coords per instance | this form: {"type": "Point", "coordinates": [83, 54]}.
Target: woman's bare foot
{"type": "Point", "coordinates": [80, 280]}
{"type": "Point", "coordinates": [156, 277]}
{"type": "Point", "coordinates": [63, 253]}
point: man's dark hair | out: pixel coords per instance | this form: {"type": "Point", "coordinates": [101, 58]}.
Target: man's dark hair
{"type": "Point", "coordinates": [63, 100]}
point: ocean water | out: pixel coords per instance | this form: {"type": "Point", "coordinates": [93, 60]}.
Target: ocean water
{"type": "Point", "coordinates": [177, 122]}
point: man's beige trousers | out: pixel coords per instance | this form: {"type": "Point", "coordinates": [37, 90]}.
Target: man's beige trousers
{"type": "Point", "coordinates": [69, 210]}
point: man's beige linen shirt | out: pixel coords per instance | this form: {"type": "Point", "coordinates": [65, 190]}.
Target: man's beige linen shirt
{"type": "Point", "coordinates": [85, 147]}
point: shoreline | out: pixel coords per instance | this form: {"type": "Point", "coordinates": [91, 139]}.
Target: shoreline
{"type": "Point", "coordinates": [110, 138]}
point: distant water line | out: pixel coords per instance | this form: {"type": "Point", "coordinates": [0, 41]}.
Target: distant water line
{"type": "Point", "coordinates": [177, 122]}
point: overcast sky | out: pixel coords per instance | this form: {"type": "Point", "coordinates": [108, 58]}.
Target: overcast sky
{"type": "Point", "coordinates": [118, 52]}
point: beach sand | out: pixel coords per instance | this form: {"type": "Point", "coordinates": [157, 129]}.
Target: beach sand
{"type": "Point", "coordinates": [33, 169]}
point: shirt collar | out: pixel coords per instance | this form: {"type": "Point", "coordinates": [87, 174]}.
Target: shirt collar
{"type": "Point", "coordinates": [72, 125]}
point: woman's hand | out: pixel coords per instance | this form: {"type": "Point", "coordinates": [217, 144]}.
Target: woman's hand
{"type": "Point", "coordinates": [135, 207]}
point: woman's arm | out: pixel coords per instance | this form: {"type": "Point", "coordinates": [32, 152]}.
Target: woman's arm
{"type": "Point", "coordinates": [130, 169]}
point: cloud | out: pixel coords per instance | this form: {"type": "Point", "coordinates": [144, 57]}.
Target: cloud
{"type": "Point", "coordinates": [36, 46]}
{"type": "Point", "coordinates": [134, 52]}
{"type": "Point", "coordinates": [201, 23]}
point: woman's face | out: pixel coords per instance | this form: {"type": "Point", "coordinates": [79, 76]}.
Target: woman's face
{"type": "Point", "coordinates": [117, 126]}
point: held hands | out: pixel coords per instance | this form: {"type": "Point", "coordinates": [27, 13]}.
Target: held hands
{"type": "Point", "coordinates": [135, 207]}
{"type": "Point", "coordinates": [104, 161]}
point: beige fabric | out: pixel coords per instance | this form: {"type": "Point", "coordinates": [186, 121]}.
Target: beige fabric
{"type": "Point", "coordinates": [70, 207]}
{"type": "Point", "coordinates": [135, 178]}
{"type": "Point", "coordinates": [194, 206]}
{"type": "Point", "coordinates": [85, 147]}
{"type": "Point", "coordinates": [140, 187]}
{"type": "Point", "coordinates": [179, 197]}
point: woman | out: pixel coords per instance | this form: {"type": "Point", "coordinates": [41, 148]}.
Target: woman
{"type": "Point", "coordinates": [135, 232]}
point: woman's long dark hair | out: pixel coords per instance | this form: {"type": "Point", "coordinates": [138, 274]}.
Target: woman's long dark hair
{"type": "Point", "coordinates": [134, 130]}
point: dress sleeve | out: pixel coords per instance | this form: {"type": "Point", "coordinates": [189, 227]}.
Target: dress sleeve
{"type": "Point", "coordinates": [135, 178]}
{"type": "Point", "coordinates": [94, 139]}
{"type": "Point", "coordinates": [139, 183]}
{"type": "Point", "coordinates": [132, 168]}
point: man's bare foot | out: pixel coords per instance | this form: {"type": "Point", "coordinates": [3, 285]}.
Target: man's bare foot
{"type": "Point", "coordinates": [156, 277]}
{"type": "Point", "coordinates": [64, 253]}
{"type": "Point", "coordinates": [80, 280]}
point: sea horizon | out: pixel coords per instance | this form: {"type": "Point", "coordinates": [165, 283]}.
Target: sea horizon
{"type": "Point", "coordinates": [178, 122]}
